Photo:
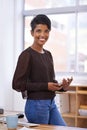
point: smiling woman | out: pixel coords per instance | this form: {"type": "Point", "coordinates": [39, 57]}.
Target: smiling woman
{"type": "Point", "coordinates": [35, 74]}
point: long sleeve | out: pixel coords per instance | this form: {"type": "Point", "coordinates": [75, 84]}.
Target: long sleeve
{"type": "Point", "coordinates": [21, 72]}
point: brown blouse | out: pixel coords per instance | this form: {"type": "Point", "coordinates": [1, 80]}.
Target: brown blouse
{"type": "Point", "coordinates": [33, 72]}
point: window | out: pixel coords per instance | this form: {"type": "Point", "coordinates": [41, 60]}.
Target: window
{"type": "Point", "coordinates": [39, 4]}
{"type": "Point", "coordinates": [68, 37]}
{"type": "Point", "coordinates": [83, 2]}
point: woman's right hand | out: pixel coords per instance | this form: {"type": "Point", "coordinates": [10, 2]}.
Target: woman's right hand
{"type": "Point", "coordinates": [54, 86]}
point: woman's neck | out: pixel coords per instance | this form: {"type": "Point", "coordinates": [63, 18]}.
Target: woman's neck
{"type": "Point", "coordinates": [37, 48]}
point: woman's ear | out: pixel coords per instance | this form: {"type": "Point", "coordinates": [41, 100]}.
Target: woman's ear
{"type": "Point", "coordinates": [32, 33]}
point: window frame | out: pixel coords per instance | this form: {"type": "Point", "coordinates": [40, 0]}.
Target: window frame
{"type": "Point", "coordinates": [61, 10]}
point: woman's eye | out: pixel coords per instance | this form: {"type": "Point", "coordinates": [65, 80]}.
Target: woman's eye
{"type": "Point", "coordinates": [47, 31]}
{"type": "Point", "coordinates": [38, 30]}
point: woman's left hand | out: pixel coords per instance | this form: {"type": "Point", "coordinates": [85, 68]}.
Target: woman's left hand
{"type": "Point", "coordinates": [66, 83]}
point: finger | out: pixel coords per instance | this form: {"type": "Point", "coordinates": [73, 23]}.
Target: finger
{"type": "Point", "coordinates": [59, 88]}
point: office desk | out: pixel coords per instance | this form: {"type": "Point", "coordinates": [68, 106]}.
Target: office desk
{"type": "Point", "coordinates": [39, 127]}
{"type": "Point", "coordinates": [44, 127]}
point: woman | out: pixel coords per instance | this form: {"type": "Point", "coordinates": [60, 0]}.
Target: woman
{"type": "Point", "coordinates": [35, 74]}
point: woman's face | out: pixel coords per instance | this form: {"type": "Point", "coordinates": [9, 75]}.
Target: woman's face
{"type": "Point", "coordinates": [40, 34]}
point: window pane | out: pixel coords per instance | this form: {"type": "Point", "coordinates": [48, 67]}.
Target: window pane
{"type": "Point", "coordinates": [83, 2]}
{"type": "Point", "coordinates": [82, 42]}
{"type": "Point", "coordinates": [61, 41]}
{"type": "Point", "coordinates": [28, 39]}
{"type": "Point", "coordinates": [39, 4]}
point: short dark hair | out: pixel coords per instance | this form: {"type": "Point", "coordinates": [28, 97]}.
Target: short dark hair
{"type": "Point", "coordinates": [40, 19]}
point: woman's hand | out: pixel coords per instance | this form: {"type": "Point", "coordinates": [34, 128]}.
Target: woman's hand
{"type": "Point", "coordinates": [54, 86]}
{"type": "Point", "coordinates": [66, 83]}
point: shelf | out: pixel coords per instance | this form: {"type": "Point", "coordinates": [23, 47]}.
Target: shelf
{"type": "Point", "coordinates": [82, 117]}
{"type": "Point", "coordinates": [77, 99]}
{"type": "Point", "coordinates": [82, 92]}
{"type": "Point", "coordinates": [71, 115]}
{"type": "Point", "coordinates": [83, 107]}
{"type": "Point", "coordinates": [71, 92]}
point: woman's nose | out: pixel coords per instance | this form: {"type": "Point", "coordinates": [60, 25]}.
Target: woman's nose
{"type": "Point", "coordinates": [42, 34]}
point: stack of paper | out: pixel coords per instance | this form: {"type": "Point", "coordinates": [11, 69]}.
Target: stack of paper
{"type": "Point", "coordinates": [25, 128]}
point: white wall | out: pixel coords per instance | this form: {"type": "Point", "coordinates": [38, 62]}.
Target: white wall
{"type": "Point", "coordinates": [11, 24]}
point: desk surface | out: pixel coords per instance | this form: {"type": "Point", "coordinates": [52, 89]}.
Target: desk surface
{"type": "Point", "coordinates": [44, 127]}
{"type": "Point", "coordinates": [51, 127]}
{"type": "Point", "coordinates": [39, 127]}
